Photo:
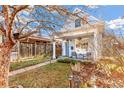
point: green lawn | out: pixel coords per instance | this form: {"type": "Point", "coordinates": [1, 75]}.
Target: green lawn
{"type": "Point", "coordinates": [34, 61]}
{"type": "Point", "coordinates": [52, 75]}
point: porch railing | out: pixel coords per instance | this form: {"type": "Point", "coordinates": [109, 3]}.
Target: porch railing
{"type": "Point", "coordinates": [83, 56]}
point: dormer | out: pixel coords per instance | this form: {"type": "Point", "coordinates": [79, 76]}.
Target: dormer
{"type": "Point", "coordinates": [80, 22]}
{"type": "Point", "coordinates": [77, 23]}
{"type": "Point", "coordinates": [82, 19]}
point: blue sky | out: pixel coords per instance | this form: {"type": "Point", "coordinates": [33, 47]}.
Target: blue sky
{"type": "Point", "coordinates": [105, 12]}
{"type": "Point", "coordinates": [113, 15]}
{"type": "Point", "coordinates": [109, 12]}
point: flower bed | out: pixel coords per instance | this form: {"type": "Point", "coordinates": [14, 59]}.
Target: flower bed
{"type": "Point", "coordinates": [101, 74]}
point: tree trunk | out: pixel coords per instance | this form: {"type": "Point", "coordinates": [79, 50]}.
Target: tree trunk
{"type": "Point", "coordinates": [4, 64]}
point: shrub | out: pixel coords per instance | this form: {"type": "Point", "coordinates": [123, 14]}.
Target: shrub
{"type": "Point", "coordinates": [73, 62]}
{"type": "Point", "coordinates": [60, 60]}
{"type": "Point", "coordinates": [64, 60]}
{"type": "Point", "coordinates": [67, 60]}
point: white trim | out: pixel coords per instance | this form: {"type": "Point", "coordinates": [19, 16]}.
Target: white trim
{"type": "Point", "coordinates": [54, 49]}
{"type": "Point", "coordinates": [63, 48]}
{"type": "Point", "coordinates": [95, 46]}
{"type": "Point", "coordinates": [70, 52]}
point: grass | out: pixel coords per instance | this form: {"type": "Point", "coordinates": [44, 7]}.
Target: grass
{"type": "Point", "coordinates": [26, 63]}
{"type": "Point", "coordinates": [50, 76]}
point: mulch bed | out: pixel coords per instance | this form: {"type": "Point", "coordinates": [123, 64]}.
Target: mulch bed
{"type": "Point", "coordinates": [104, 78]}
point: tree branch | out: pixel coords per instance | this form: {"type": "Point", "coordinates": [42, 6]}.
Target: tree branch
{"type": "Point", "coordinates": [2, 29]}
{"type": "Point", "coordinates": [28, 34]}
{"type": "Point", "coordinates": [10, 18]}
{"type": "Point", "coordinates": [25, 26]}
{"type": "Point", "coordinates": [33, 32]}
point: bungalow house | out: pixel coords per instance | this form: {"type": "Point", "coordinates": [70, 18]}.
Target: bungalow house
{"type": "Point", "coordinates": [29, 47]}
{"type": "Point", "coordinates": [80, 37]}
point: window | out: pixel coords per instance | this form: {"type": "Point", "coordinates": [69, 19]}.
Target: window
{"type": "Point", "coordinates": [77, 23]}
{"type": "Point", "coordinates": [72, 48]}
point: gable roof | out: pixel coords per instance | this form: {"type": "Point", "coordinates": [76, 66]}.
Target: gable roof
{"type": "Point", "coordinates": [85, 18]}
{"type": "Point", "coordinates": [82, 13]}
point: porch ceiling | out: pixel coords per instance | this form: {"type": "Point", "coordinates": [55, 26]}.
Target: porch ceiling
{"type": "Point", "coordinates": [77, 35]}
{"type": "Point", "coordinates": [35, 39]}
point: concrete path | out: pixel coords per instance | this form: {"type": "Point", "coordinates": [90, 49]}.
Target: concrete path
{"type": "Point", "coordinates": [12, 73]}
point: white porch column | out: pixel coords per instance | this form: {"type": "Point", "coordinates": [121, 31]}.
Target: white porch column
{"type": "Point", "coordinates": [97, 45]}
{"type": "Point", "coordinates": [63, 48]}
{"type": "Point", "coordinates": [69, 46]}
{"type": "Point", "coordinates": [54, 49]}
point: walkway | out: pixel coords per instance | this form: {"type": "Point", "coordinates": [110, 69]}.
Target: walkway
{"type": "Point", "coordinates": [12, 73]}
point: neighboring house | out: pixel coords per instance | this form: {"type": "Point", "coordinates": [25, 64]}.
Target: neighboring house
{"type": "Point", "coordinates": [80, 39]}
{"type": "Point", "coordinates": [29, 47]}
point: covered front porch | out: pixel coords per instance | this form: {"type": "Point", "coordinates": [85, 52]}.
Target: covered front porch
{"type": "Point", "coordinates": [79, 47]}
{"type": "Point", "coordinates": [30, 47]}
{"type": "Point", "coordinates": [80, 44]}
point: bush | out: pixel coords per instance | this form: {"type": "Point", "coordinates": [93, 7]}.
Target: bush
{"type": "Point", "coordinates": [73, 62]}
{"type": "Point", "coordinates": [60, 60]}
{"type": "Point", "coordinates": [67, 60]}
{"type": "Point", "coordinates": [64, 60]}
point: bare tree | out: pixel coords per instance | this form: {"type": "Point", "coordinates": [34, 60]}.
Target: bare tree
{"type": "Point", "coordinates": [14, 27]}
{"type": "Point", "coordinates": [8, 13]}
